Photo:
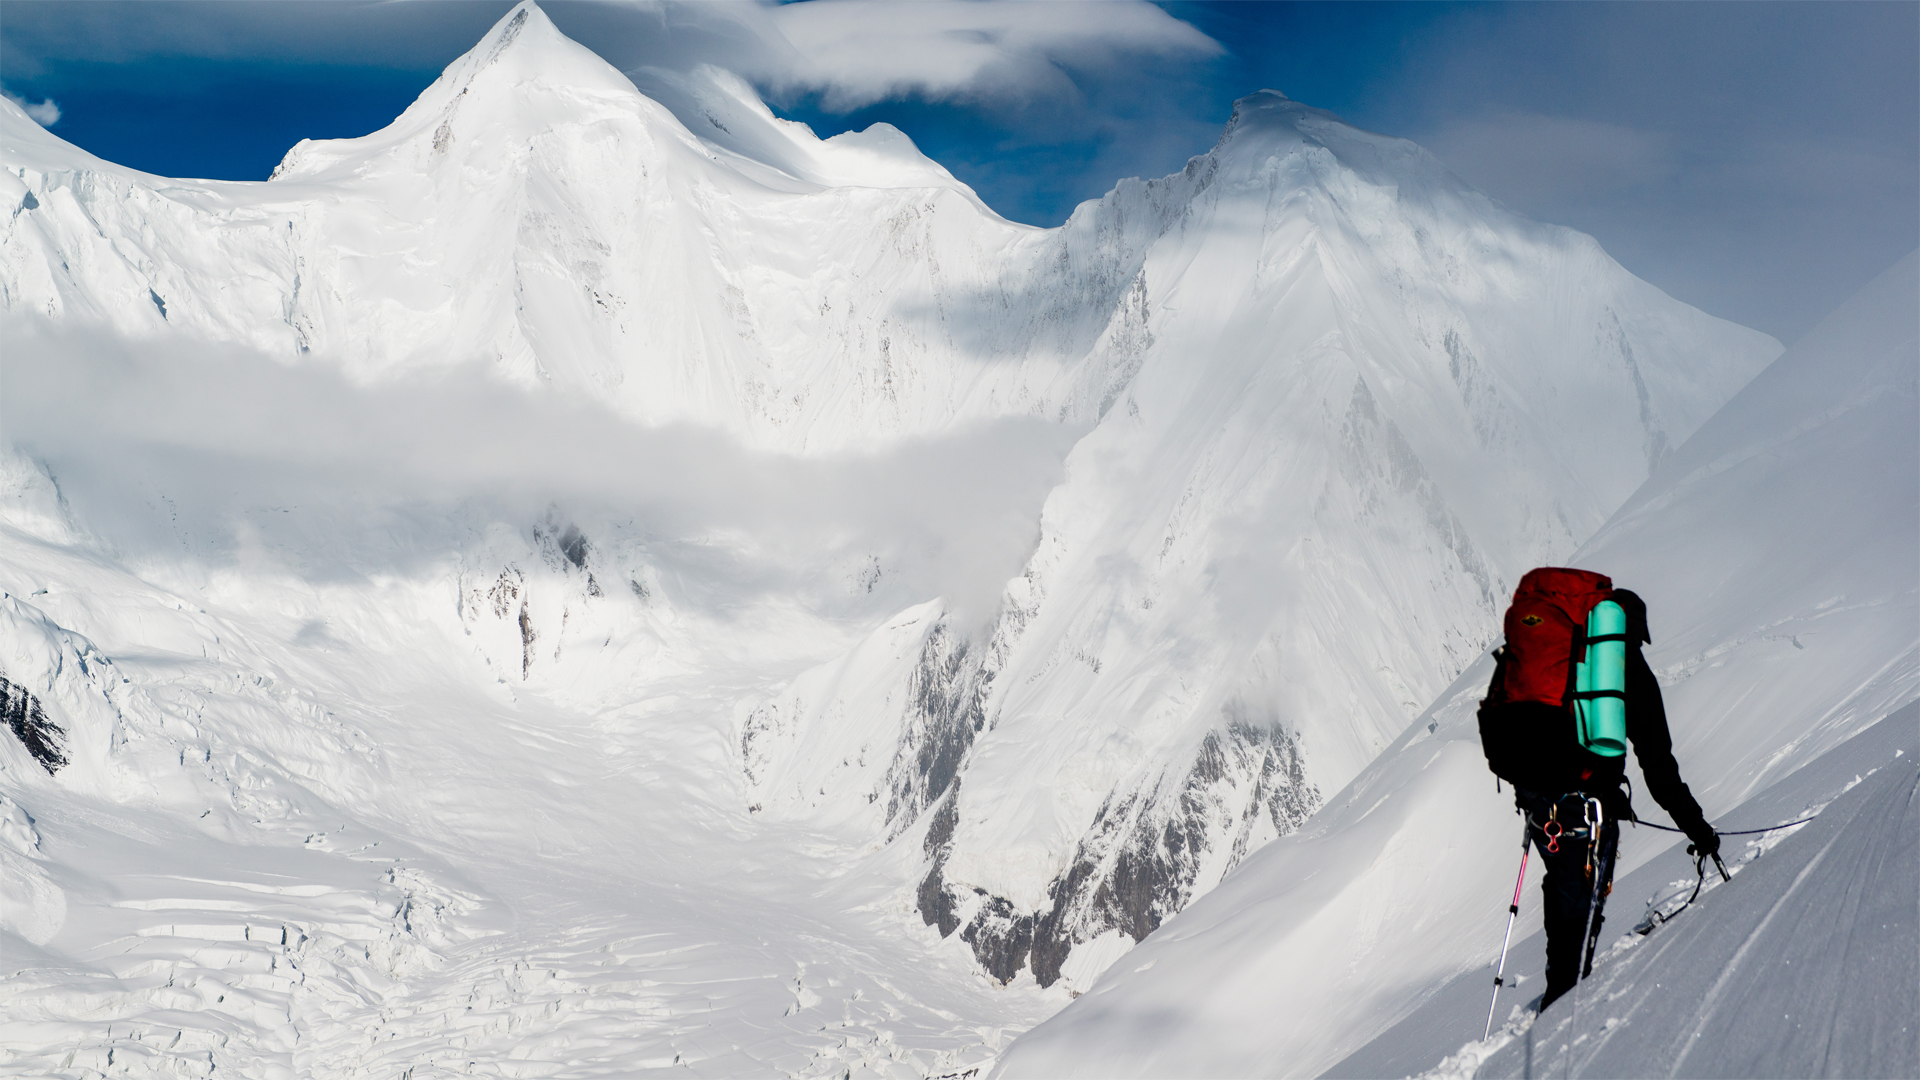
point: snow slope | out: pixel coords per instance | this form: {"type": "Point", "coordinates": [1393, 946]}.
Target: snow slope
{"type": "Point", "coordinates": [1801, 966]}
{"type": "Point", "coordinates": [1807, 968]}
{"type": "Point", "coordinates": [712, 569]}
{"type": "Point", "coordinates": [1776, 551]}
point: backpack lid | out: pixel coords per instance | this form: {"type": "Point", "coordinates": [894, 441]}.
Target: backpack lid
{"type": "Point", "coordinates": [1562, 581]}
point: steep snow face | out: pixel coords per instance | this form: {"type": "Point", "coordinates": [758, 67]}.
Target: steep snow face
{"type": "Point", "coordinates": [1806, 964]}
{"type": "Point", "coordinates": [1361, 401]}
{"type": "Point", "coordinates": [1329, 404]}
{"type": "Point", "coordinates": [1775, 549]}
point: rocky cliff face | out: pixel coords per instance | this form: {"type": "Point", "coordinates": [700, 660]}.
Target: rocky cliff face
{"type": "Point", "coordinates": [45, 740]}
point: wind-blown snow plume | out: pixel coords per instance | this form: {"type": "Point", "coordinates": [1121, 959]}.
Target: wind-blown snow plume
{"type": "Point", "coordinates": [46, 113]}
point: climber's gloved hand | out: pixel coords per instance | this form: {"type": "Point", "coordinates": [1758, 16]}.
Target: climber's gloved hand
{"type": "Point", "coordinates": [1705, 842]}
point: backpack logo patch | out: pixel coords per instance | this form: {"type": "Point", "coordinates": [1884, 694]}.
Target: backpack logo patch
{"type": "Point", "coordinates": [1532, 620]}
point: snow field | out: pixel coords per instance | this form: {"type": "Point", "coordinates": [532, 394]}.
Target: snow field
{"type": "Point", "coordinates": [390, 870]}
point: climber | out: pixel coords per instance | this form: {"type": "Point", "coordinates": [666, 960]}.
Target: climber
{"type": "Point", "coordinates": [1542, 732]}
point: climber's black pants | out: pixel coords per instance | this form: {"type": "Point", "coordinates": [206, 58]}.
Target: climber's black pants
{"type": "Point", "coordinates": [1568, 886]}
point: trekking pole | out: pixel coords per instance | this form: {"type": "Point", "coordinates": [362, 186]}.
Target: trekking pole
{"type": "Point", "coordinates": [1513, 910]}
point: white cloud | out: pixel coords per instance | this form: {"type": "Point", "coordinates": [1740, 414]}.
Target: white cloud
{"type": "Point", "coordinates": [858, 52]}
{"type": "Point", "coordinates": [46, 114]}
{"type": "Point", "coordinates": [175, 446]}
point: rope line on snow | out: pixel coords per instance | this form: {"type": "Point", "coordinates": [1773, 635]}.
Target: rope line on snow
{"type": "Point", "coordinates": [1729, 832]}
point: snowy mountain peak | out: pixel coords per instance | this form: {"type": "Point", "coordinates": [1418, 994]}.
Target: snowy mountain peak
{"type": "Point", "coordinates": [724, 112]}
{"type": "Point", "coordinates": [524, 78]}
{"type": "Point", "coordinates": [1269, 123]}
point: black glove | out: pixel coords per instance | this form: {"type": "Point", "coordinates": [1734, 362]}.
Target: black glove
{"type": "Point", "coordinates": [1705, 843]}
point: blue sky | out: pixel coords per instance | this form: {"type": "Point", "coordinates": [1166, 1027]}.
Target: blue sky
{"type": "Point", "coordinates": [1760, 161]}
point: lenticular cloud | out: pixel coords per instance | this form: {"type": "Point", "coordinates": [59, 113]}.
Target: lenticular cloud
{"type": "Point", "coordinates": [860, 52]}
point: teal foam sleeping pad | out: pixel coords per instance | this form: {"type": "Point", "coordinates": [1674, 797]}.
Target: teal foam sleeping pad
{"type": "Point", "coordinates": [1602, 719]}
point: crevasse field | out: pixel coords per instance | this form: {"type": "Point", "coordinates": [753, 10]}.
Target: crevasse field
{"type": "Point", "coordinates": [593, 580]}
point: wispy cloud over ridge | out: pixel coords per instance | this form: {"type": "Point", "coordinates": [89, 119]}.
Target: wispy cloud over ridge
{"type": "Point", "coordinates": [46, 113]}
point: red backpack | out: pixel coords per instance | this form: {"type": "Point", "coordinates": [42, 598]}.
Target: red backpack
{"type": "Point", "coordinates": [1526, 720]}
{"type": "Point", "coordinates": [1549, 614]}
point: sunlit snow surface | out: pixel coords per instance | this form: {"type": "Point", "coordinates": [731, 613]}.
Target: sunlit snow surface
{"type": "Point", "coordinates": [537, 590]}
{"type": "Point", "coordinates": [1803, 965]}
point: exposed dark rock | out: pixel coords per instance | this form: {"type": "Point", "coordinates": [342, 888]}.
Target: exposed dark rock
{"type": "Point", "coordinates": [1137, 864]}
{"type": "Point", "coordinates": [1001, 938]}
{"type": "Point", "coordinates": [44, 739]}
{"type": "Point", "coordinates": [562, 546]}
{"type": "Point", "coordinates": [505, 591]}
{"type": "Point", "coordinates": [574, 546]}
{"type": "Point", "coordinates": [936, 904]}
{"type": "Point", "coordinates": [946, 708]}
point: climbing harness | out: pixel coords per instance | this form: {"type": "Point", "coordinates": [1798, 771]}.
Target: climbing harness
{"type": "Point", "coordinates": [1554, 831]}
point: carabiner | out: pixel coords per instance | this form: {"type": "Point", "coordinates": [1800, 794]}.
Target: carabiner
{"type": "Point", "coordinates": [1594, 814]}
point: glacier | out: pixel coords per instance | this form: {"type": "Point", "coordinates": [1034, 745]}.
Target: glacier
{"type": "Point", "coordinates": [582, 581]}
